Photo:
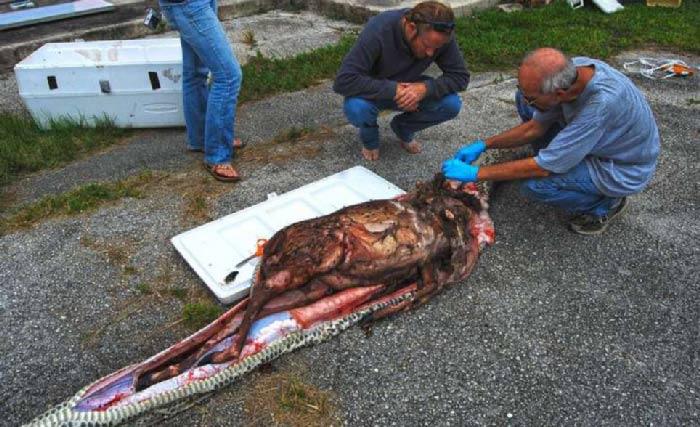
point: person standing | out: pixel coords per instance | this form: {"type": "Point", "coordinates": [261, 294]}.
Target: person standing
{"type": "Point", "coordinates": [210, 111]}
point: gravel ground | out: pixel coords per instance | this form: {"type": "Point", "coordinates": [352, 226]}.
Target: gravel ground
{"type": "Point", "coordinates": [551, 328]}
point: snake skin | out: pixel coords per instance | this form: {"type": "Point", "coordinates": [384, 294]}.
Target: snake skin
{"type": "Point", "coordinates": [171, 402]}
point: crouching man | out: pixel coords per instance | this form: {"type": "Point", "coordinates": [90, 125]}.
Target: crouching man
{"type": "Point", "coordinates": [595, 139]}
{"type": "Point", "coordinates": [383, 71]}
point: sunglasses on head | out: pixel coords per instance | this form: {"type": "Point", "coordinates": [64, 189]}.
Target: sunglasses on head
{"type": "Point", "coordinates": [442, 27]}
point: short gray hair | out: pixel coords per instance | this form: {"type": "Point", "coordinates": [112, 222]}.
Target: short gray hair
{"type": "Point", "coordinates": [561, 79]}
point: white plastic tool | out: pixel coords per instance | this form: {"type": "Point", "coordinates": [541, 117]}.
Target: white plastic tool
{"type": "Point", "coordinates": [214, 249]}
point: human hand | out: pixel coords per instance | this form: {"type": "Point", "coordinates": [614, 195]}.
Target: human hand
{"type": "Point", "coordinates": [408, 95]}
{"type": "Point", "coordinates": [460, 171]}
{"type": "Point", "coordinates": [471, 152]}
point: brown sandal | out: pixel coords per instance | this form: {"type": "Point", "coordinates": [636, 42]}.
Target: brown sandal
{"type": "Point", "coordinates": [216, 172]}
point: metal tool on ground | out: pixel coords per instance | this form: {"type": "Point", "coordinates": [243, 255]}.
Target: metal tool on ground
{"type": "Point", "coordinates": [260, 246]}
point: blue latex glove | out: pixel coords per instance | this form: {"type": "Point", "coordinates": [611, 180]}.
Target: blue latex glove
{"type": "Point", "coordinates": [460, 171]}
{"type": "Point", "coordinates": [471, 152]}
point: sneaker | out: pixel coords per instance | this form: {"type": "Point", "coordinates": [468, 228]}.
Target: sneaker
{"type": "Point", "coordinates": [591, 225]}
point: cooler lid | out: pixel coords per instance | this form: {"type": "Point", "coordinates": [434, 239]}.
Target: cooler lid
{"type": "Point", "coordinates": [214, 249]}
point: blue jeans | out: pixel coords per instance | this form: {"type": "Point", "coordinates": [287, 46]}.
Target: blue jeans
{"type": "Point", "coordinates": [210, 113]}
{"type": "Point", "coordinates": [572, 191]}
{"type": "Point", "coordinates": [362, 113]}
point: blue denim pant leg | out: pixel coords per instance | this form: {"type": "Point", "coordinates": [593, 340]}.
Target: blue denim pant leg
{"type": "Point", "coordinates": [362, 113]}
{"type": "Point", "coordinates": [430, 113]}
{"type": "Point", "coordinates": [572, 191]}
{"type": "Point", "coordinates": [202, 33]}
{"type": "Point", "coordinates": [526, 113]}
{"type": "Point", "coordinates": [195, 94]}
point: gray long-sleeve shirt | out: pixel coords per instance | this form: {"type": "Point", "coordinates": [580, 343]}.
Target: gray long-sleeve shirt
{"type": "Point", "coordinates": [381, 57]}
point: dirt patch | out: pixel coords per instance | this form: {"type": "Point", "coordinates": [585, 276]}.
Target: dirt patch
{"type": "Point", "coordinates": [292, 144]}
{"type": "Point", "coordinates": [285, 398]}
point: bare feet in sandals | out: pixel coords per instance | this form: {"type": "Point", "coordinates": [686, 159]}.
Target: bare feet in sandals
{"type": "Point", "coordinates": [224, 172]}
{"type": "Point", "coordinates": [370, 155]}
{"type": "Point", "coordinates": [412, 147]}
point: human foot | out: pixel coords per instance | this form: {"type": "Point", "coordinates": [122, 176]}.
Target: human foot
{"type": "Point", "coordinates": [370, 155]}
{"type": "Point", "coordinates": [412, 147]}
{"type": "Point", "coordinates": [223, 172]}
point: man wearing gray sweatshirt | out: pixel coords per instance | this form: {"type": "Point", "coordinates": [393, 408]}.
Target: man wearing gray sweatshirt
{"type": "Point", "coordinates": [384, 71]}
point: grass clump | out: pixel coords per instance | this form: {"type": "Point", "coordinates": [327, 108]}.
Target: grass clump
{"type": "Point", "coordinates": [294, 134]}
{"type": "Point", "coordinates": [284, 398]}
{"type": "Point", "coordinates": [79, 200]}
{"type": "Point", "coordinates": [493, 39]}
{"type": "Point", "coordinates": [248, 38]}
{"type": "Point", "coordinates": [144, 288]}
{"type": "Point", "coordinates": [198, 314]}
{"type": "Point", "coordinates": [27, 148]}
{"type": "Point", "coordinates": [179, 293]}
{"type": "Point", "coordinates": [265, 76]}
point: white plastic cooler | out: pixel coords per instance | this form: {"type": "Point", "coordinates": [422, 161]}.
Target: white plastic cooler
{"type": "Point", "coordinates": [136, 83]}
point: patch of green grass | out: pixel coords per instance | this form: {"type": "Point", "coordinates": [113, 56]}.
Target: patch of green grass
{"type": "Point", "coordinates": [24, 147]}
{"type": "Point", "coordinates": [197, 314]}
{"type": "Point", "coordinates": [285, 398]}
{"type": "Point", "coordinates": [692, 101]}
{"type": "Point", "coordinates": [79, 200]}
{"type": "Point", "coordinates": [293, 134]}
{"type": "Point", "coordinates": [179, 293]}
{"type": "Point", "coordinates": [144, 288]}
{"type": "Point", "coordinates": [492, 39]}
{"type": "Point", "coordinates": [265, 76]}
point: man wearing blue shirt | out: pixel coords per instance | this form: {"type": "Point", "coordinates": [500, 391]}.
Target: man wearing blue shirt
{"type": "Point", "coordinates": [384, 71]}
{"type": "Point", "coordinates": [594, 135]}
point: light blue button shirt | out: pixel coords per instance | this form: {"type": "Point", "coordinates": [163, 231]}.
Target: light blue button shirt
{"type": "Point", "coordinates": [609, 126]}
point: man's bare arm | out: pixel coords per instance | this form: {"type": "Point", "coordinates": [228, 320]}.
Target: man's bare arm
{"type": "Point", "coordinates": [517, 169]}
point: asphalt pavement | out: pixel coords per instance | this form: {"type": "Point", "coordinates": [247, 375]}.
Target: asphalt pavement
{"type": "Point", "coordinates": [551, 328]}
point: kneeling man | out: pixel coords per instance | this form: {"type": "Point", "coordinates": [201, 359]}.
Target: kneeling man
{"type": "Point", "coordinates": [383, 71]}
{"type": "Point", "coordinates": [595, 139]}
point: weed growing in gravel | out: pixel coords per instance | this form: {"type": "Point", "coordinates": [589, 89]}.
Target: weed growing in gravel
{"type": "Point", "coordinates": [144, 288]}
{"type": "Point", "coordinates": [306, 140]}
{"type": "Point", "coordinates": [197, 314]}
{"type": "Point", "coordinates": [248, 38]}
{"type": "Point", "coordinates": [293, 134]}
{"type": "Point", "coordinates": [27, 148]}
{"type": "Point", "coordinates": [284, 398]}
{"type": "Point", "coordinates": [179, 293]}
{"type": "Point", "coordinates": [82, 199]}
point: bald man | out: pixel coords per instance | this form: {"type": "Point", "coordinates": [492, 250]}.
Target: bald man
{"type": "Point", "coordinates": [594, 137]}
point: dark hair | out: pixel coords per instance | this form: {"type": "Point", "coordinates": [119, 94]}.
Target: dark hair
{"type": "Point", "coordinates": [432, 15]}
